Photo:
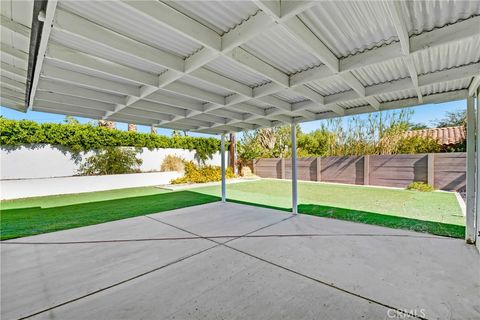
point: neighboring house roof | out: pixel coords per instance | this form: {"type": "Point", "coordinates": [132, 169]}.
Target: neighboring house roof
{"type": "Point", "coordinates": [445, 136]}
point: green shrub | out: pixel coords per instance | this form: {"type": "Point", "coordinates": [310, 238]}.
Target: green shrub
{"type": "Point", "coordinates": [196, 174]}
{"type": "Point", "coordinates": [420, 186]}
{"type": "Point", "coordinates": [112, 160]}
{"type": "Point", "coordinates": [173, 163]}
{"type": "Point", "coordinates": [85, 137]}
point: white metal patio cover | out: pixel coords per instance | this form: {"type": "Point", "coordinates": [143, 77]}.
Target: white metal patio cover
{"type": "Point", "coordinates": [227, 66]}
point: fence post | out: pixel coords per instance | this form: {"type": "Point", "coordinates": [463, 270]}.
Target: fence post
{"type": "Point", "coordinates": [366, 170]}
{"type": "Point", "coordinates": [253, 166]}
{"type": "Point", "coordinates": [431, 169]}
{"type": "Point", "coordinates": [319, 168]}
{"type": "Point", "coordinates": [282, 168]}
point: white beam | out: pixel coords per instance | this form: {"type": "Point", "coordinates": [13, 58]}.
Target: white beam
{"type": "Point", "coordinates": [42, 48]}
{"type": "Point", "coordinates": [402, 32]}
{"type": "Point", "coordinates": [437, 37]}
{"type": "Point", "coordinates": [425, 80]}
{"type": "Point", "coordinates": [310, 41]}
{"type": "Point", "coordinates": [306, 38]}
{"type": "Point", "coordinates": [474, 85]}
{"type": "Point", "coordinates": [246, 31]}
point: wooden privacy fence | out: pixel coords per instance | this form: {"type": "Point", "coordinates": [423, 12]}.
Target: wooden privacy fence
{"type": "Point", "coordinates": [445, 171]}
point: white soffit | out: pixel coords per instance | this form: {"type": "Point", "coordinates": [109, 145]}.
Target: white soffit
{"type": "Point", "coordinates": [215, 67]}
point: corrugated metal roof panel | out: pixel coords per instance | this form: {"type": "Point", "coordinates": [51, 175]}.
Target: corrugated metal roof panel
{"type": "Point", "coordinates": [422, 16]}
{"type": "Point", "coordinates": [89, 72]}
{"type": "Point", "coordinates": [235, 71]}
{"type": "Point", "coordinates": [382, 72]}
{"type": "Point", "coordinates": [329, 86]}
{"type": "Point", "coordinates": [353, 103]}
{"type": "Point", "coordinates": [111, 14]}
{"type": "Point", "coordinates": [15, 40]}
{"type": "Point", "coordinates": [405, 94]}
{"type": "Point", "coordinates": [161, 92]}
{"type": "Point", "coordinates": [349, 27]}
{"type": "Point", "coordinates": [220, 16]}
{"type": "Point", "coordinates": [19, 63]}
{"type": "Point", "coordinates": [281, 51]}
{"type": "Point", "coordinates": [18, 11]}
{"type": "Point", "coordinates": [104, 53]}
{"type": "Point", "coordinates": [290, 96]}
{"type": "Point", "coordinates": [446, 86]}
{"type": "Point", "coordinates": [205, 86]}
{"type": "Point", "coordinates": [448, 56]}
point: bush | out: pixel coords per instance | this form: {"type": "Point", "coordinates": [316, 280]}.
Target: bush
{"type": "Point", "coordinates": [173, 163]}
{"type": "Point", "coordinates": [86, 137]}
{"type": "Point", "coordinates": [411, 145]}
{"type": "Point", "coordinates": [112, 160]}
{"type": "Point", "coordinates": [196, 174]}
{"type": "Point", "coordinates": [420, 186]}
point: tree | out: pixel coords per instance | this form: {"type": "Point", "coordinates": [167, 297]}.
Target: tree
{"type": "Point", "coordinates": [315, 143]}
{"type": "Point", "coordinates": [71, 120]}
{"type": "Point", "coordinates": [417, 126]}
{"type": "Point", "coordinates": [132, 127]}
{"type": "Point", "coordinates": [452, 119]}
{"type": "Point", "coordinates": [106, 123]}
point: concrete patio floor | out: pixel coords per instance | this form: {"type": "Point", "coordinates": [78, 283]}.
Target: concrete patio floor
{"type": "Point", "coordinates": [231, 261]}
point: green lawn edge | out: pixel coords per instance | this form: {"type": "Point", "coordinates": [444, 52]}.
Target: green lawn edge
{"type": "Point", "coordinates": [22, 222]}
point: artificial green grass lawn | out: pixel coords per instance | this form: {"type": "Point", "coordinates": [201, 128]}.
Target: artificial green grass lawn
{"type": "Point", "coordinates": [25, 217]}
{"type": "Point", "coordinates": [432, 212]}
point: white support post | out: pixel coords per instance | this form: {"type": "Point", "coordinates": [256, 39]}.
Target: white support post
{"type": "Point", "coordinates": [471, 128]}
{"type": "Point", "coordinates": [294, 169]}
{"type": "Point", "coordinates": [222, 157]}
{"type": "Point", "coordinates": [476, 228]}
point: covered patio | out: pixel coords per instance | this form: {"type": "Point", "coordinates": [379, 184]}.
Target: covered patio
{"type": "Point", "coordinates": [220, 67]}
{"type": "Point", "coordinates": [231, 261]}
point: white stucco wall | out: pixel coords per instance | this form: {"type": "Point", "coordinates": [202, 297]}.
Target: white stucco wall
{"type": "Point", "coordinates": [14, 189]}
{"type": "Point", "coordinates": [44, 161]}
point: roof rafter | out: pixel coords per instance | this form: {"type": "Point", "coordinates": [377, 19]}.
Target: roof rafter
{"type": "Point", "coordinates": [300, 32]}
{"type": "Point", "coordinates": [462, 72]}
{"type": "Point", "coordinates": [402, 32]}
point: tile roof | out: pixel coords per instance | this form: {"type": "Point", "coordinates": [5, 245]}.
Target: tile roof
{"type": "Point", "coordinates": [445, 136]}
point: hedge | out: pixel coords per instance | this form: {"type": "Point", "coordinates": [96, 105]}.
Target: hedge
{"type": "Point", "coordinates": [84, 137]}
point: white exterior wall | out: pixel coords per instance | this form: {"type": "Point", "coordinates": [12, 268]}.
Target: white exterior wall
{"type": "Point", "coordinates": [45, 161]}
{"type": "Point", "coordinates": [13, 189]}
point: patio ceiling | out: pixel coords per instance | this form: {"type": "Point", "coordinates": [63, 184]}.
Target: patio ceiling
{"type": "Point", "coordinates": [229, 66]}
{"type": "Point", "coordinates": [15, 22]}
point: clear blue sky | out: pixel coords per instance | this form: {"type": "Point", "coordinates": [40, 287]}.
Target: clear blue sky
{"type": "Point", "coordinates": [425, 114]}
